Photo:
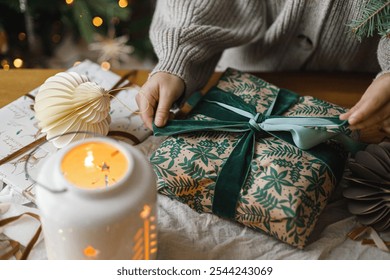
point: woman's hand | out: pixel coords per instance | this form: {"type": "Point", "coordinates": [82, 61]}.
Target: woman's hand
{"type": "Point", "coordinates": [157, 96]}
{"type": "Point", "coordinates": [373, 108]}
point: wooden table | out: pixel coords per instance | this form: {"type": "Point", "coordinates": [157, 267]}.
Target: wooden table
{"type": "Point", "coordinates": [343, 89]}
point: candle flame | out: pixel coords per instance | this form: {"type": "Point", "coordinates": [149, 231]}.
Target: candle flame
{"type": "Point", "coordinates": [88, 161]}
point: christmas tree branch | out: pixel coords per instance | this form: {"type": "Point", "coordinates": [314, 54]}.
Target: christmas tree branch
{"type": "Point", "coordinates": [370, 17]}
{"type": "Point", "coordinates": [375, 16]}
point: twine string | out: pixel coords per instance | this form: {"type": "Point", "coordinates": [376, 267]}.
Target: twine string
{"type": "Point", "coordinates": [140, 92]}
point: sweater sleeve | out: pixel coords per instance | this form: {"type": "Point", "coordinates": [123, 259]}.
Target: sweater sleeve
{"type": "Point", "coordinates": [189, 36]}
{"type": "Point", "coordinates": [384, 55]}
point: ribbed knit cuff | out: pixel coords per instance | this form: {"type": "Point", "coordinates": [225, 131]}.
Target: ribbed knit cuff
{"type": "Point", "coordinates": [189, 36]}
{"type": "Point", "coordinates": [384, 53]}
{"type": "Point", "coordinates": [175, 59]}
{"type": "Point", "coordinates": [380, 74]}
{"type": "Point", "coordinates": [194, 77]}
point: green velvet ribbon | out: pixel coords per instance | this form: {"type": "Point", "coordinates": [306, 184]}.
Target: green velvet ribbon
{"type": "Point", "coordinates": [232, 114]}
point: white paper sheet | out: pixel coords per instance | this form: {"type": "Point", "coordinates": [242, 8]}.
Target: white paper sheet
{"type": "Point", "coordinates": [19, 127]}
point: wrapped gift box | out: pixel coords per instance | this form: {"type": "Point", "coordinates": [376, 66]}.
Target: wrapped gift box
{"type": "Point", "coordinates": [251, 152]}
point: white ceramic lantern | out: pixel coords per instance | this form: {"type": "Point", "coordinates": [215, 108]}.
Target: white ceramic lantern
{"type": "Point", "coordinates": [98, 201]}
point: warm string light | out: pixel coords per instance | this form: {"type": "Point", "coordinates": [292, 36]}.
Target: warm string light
{"type": "Point", "coordinates": [69, 2]}
{"type": "Point", "coordinates": [105, 65]}
{"type": "Point", "coordinates": [97, 21]}
{"type": "Point", "coordinates": [18, 62]}
{"type": "Point", "coordinates": [5, 65]}
{"type": "Point", "coordinates": [123, 3]}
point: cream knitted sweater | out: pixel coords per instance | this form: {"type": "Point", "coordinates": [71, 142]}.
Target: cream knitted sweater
{"type": "Point", "coordinates": [191, 37]}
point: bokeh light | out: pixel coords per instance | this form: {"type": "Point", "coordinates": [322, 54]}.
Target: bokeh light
{"type": "Point", "coordinates": [105, 65]}
{"type": "Point", "coordinates": [22, 36]}
{"type": "Point", "coordinates": [4, 64]}
{"type": "Point", "coordinates": [97, 21]}
{"type": "Point", "coordinates": [123, 3]}
{"type": "Point", "coordinates": [18, 62]}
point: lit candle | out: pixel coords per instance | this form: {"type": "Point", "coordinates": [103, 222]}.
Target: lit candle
{"type": "Point", "coordinates": [94, 165]}
{"type": "Point", "coordinates": [98, 201]}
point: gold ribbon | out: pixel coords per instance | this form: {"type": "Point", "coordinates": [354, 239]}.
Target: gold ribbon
{"type": "Point", "coordinates": [15, 250]}
{"type": "Point", "coordinates": [15, 245]}
{"type": "Point", "coordinates": [357, 233]}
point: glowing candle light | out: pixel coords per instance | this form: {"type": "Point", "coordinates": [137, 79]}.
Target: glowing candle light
{"type": "Point", "coordinates": [94, 165]}
{"type": "Point", "coordinates": [97, 199]}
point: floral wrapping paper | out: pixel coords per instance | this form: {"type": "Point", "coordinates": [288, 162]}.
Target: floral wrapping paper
{"type": "Point", "coordinates": [286, 188]}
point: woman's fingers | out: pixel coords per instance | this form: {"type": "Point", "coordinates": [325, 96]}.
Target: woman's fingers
{"type": "Point", "coordinates": [147, 104]}
{"type": "Point", "coordinates": [374, 106]}
{"type": "Point", "coordinates": [386, 127]}
{"type": "Point", "coordinates": [157, 96]}
{"type": "Point", "coordinates": [163, 109]}
{"type": "Point", "coordinates": [378, 117]}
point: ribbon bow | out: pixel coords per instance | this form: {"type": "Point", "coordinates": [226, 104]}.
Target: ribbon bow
{"type": "Point", "coordinates": [232, 114]}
